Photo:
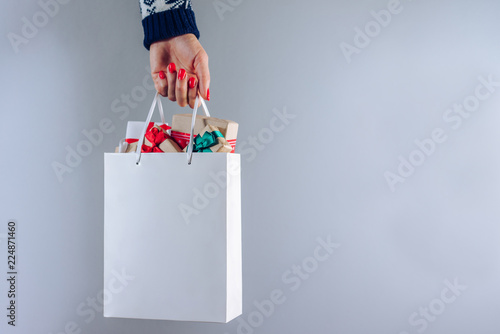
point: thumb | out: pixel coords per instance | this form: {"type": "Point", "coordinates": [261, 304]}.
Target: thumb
{"type": "Point", "coordinates": [202, 72]}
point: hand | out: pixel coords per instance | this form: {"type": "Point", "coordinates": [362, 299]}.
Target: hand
{"type": "Point", "coordinates": [179, 67]}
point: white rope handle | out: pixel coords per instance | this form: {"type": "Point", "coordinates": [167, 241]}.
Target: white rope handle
{"type": "Point", "coordinates": [160, 108]}
{"type": "Point", "coordinates": [145, 127]}
{"type": "Point", "coordinates": [205, 109]}
{"type": "Point", "coordinates": [193, 121]}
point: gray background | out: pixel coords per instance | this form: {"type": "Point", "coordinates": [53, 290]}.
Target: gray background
{"type": "Point", "coordinates": [322, 175]}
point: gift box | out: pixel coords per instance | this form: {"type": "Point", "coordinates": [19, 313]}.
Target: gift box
{"type": "Point", "coordinates": [157, 140]}
{"type": "Point", "coordinates": [127, 146]}
{"type": "Point", "coordinates": [181, 128]}
{"type": "Point", "coordinates": [210, 139]}
{"type": "Point", "coordinates": [131, 145]}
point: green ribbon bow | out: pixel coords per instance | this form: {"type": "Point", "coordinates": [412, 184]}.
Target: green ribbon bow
{"type": "Point", "coordinates": [203, 143]}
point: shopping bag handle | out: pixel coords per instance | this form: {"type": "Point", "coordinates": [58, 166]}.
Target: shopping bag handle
{"type": "Point", "coordinates": [157, 100]}
{"type": "Point", "coordinates": [193, 121]}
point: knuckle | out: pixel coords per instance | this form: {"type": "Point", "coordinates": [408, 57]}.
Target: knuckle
{"type": "Point", "coordinates": [162, 92]}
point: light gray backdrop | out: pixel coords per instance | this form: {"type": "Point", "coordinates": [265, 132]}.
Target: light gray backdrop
{"type": "Point", "coordinates": [420, 256]}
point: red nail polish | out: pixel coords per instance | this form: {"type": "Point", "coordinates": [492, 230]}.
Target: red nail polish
{"type": "Point", "coordinates": [171, 67]}
{"type": "Point", "coordinates": [182, 74]}
{"type": "Point", "coordinates": [161, 75]}
{"type": "Point", "coordinates": [208, 94]}
{"type": "Point", "coordinates": [192, 82]}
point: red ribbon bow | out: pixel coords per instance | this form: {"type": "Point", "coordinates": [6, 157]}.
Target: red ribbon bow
{"type": "Point", "coordinates": [156, 136]}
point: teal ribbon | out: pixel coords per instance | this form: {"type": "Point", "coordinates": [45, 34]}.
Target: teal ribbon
{"type": "Point", "coordinates": [203, 143]}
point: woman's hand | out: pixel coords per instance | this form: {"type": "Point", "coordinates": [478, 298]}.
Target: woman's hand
{"type": "Point", "coordinates": [179, 66]}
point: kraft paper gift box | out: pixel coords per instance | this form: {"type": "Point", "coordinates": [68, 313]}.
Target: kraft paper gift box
{"type": "Point", "coordinates": [132, 147]}
{"type": "Point", "coordinates": [181, 127]}
{"type": "Point", "coordinates": [158, 140]}
{"type": "Point", "coordinates": [156, 132]}
{"type": "Point", "coordinates": [128, 147]}
{"type": "Point", "coordinates": [210, 139]}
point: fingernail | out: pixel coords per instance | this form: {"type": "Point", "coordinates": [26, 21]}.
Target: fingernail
{"type": "Point", "coordinates": [208, 94]}
{"type": "Point", "coordinates": [171, 67]}
{"type": "Point", "coordinates": [182, 74]}
{"type": "Point", "coordinates": [192, 82]}
{"type": "Point", "coordinates": [161, 75]}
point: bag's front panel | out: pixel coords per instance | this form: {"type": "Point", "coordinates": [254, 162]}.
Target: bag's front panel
{"type": "Point", "coordinates": [165, 225]}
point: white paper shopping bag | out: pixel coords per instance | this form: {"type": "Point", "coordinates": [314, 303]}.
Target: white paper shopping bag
{"type": "Point", "coordinates": [175, 229]}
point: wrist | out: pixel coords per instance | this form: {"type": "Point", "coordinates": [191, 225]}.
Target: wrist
{"type": "Point", "coordinates": [169, 24]}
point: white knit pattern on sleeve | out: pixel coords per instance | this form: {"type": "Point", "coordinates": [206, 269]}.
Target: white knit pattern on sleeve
{"type": "Point", "coordinates": [149, 7]}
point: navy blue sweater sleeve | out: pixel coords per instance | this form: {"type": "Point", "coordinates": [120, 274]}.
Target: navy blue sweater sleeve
{"type": "Point", "coordinates": [162, 19]}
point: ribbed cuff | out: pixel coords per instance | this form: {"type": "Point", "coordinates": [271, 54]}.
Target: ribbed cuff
{"type": "Point", "coordinates": [169, 23]}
